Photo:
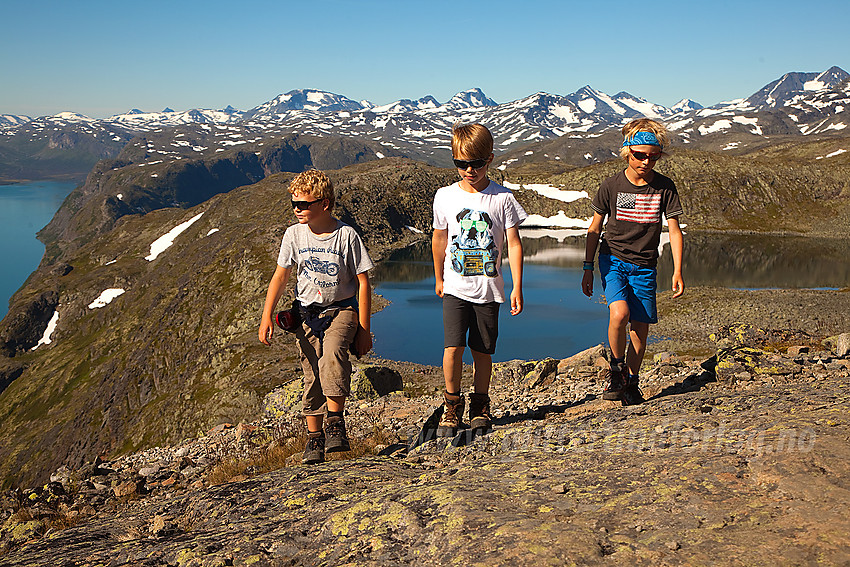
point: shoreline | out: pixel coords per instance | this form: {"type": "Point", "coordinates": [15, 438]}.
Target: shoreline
{"type": "Point", "coordinates": [684, 324]}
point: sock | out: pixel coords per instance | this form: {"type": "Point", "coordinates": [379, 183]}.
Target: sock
{"type": "Point", "coordinates": [453, 393]}
{"type": "Point", "coordinates": [335, 414]}
{"type": "Point", "coordinates": [618, 363]}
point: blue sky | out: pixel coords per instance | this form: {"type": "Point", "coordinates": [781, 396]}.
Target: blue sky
{"type": "Point", "coordinates": [105, 57]}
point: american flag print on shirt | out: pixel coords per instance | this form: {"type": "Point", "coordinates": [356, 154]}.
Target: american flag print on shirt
{"type": "Point", "coordinates": [635, 207]}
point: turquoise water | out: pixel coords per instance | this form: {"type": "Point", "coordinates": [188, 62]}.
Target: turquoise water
{"type": "Point", "coordinates": [24, 210]}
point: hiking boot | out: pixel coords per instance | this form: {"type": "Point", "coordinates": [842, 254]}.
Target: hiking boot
{"type": "Point", "coordinates": [632, 395]}
{"type": "Point", "coordinates": [614, 385]}
{"type": "Point", "coordinates": [450, 422]}
{"type": "Point", "coordinates": [336, 437]}
{"type": "Point", "coordinates": [314, 450]}
{"type": "Point", "coordinates": [479, 411]}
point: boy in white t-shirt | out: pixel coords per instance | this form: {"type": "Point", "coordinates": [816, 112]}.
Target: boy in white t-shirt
{"type": "Point", "coordinates": [472, 220]}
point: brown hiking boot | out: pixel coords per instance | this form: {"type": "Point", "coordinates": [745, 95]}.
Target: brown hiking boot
{"type": "Point", "coordinates": [336, 437]}
{"type": "Point", "coordinates": [632, 395]}
{"type": "Point", "coordinates": [479, 411]}
{"type": "Point", "coordinates": [314, 450]}
{"type": "Point", "coordinates": [614, 385]}
{"type": "Point", "coordinates": [450, 422]}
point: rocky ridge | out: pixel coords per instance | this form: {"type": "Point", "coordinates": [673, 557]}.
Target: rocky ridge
{"type": "Point", "coordinates": [739, 458]}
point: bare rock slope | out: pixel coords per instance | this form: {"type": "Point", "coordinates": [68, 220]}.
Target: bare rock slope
{"type": "Point", "coordinates": [736, 459]}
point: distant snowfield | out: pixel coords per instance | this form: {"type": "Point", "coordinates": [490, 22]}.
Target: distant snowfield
{"type": "Point", "coordinates": [556, 233]}
{"type": "Point", "coordinates": [549, 191]}
{"type": "Point", "coordinates": [163, 242]}
{"type": "Point", "coordinates": [716, 127]}
{"type": "Point", "coordinates": [106, 297]}
{"type": "Point", "coordinates": [51, 326]}
{"type": "Point", "coordinates": [560, 220]}
{"type": "Point", "coordinates": [833, 154]}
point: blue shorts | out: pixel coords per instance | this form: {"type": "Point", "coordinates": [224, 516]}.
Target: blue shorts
{"type": "Point", "coordinates": [636, 285]}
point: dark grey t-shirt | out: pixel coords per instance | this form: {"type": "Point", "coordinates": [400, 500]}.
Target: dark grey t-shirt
{"type": "Point", "coordinates": [633, 228]}
{"type": "Point", "coordinates": [327, 266]}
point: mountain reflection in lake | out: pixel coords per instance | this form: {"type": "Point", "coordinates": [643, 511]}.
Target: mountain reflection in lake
{"type": "Point", "coordinates": [755, 261]}
{"type": "Point", "coordinates": [558, 320]}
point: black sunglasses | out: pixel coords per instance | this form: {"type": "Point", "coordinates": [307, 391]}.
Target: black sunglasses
{"type": "Point", "coordinates": [473, 163]}
{"type": "Point", "coordinates": [641, 156]}
{"type": "Point", "coordinates": [304, 205]}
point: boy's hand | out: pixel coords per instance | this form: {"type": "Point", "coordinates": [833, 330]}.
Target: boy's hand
{"type": "Point", "coordinates": [438, 288]}
{"type": "Point", "coordinates": [678, 285]}
{"type": "Point", "coordinates": [266, 331]}
{"type": "Point", "coordinates": [362, 341]}
{"type": "Point", "coordinates": [587, 283]}
{"type": "Point", "coordinates": [516, 302]}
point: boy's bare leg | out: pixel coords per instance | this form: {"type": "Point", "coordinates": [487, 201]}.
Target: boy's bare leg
{"type": "Point", "coordinates": [637, 346]}
{"type": "Point", "coordinates": [482, 370]}
{"type": "Point", "coordinates": [336, 403]}
{"type": "Point", "coordinates": [314, 422]}
{"type": "Point", "coordinates": [452, 368]}
{"type": "Point", "coordinates": [479, 400]}
{"type": "Point", "coordinates": [619, 318]}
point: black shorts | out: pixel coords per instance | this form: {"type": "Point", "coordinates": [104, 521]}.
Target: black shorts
{"type": "Point", "coordinates": [481, 320]}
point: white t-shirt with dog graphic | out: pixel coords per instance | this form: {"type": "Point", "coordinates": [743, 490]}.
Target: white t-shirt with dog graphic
{"type": "Point", "coordinates": [476, 224]}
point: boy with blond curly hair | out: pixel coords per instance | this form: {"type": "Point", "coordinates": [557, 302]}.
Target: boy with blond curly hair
{"type": "Point", "coordinates": [633, 202]}
{"type": "Point", "coordinates": [334, 302]}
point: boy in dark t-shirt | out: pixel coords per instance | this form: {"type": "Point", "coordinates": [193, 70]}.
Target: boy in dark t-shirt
{"type": "Point", "coordinates": [633, 201]}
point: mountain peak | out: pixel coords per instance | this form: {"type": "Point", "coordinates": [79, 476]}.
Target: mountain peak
{"type": "Point", "coordinates": [686, 105]}
{"type": "Point", "coordinates": [470, 98]}
{"type": "Point", "coordinates": [304, 99]}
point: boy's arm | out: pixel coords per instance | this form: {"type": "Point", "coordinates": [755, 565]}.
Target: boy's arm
{"type": "Point", "coordinates": [676, 247]}
{"type": "Point", "coordinates": [363, 337]}
{"type": "Point", "coordinates": [515, 259]}
{"type": "Point", "coordinates": [593, 234]}
{"type": "Point", "coordinates": [438, 250]}
{"type": "Point", "coordinates": [276, 288]}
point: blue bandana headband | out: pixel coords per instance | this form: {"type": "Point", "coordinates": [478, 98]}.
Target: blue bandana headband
{"type": "Point", "coordinates": [642, 139]}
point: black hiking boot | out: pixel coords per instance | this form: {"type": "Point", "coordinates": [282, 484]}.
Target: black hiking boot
{"type": "Point", "coordinates": [632, 395]}
{"type": "Point", "coordinates": [450, 422]}
{"type": "Point", "coordinates": [314, 450]}
{"type": "Point", "coordinates": [479, 412]}
{"type": "Point", "coordinates": [614, 385]}
{"type": "Point", "coordinates": [336, 439]}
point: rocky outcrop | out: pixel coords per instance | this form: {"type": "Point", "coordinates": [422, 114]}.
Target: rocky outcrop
{"type": "Point", "coordinates": [25, 323]}
{"type": "Point", "coordinates": [707, 470]}
{"type": "Point", "coordinates": [753, 193]}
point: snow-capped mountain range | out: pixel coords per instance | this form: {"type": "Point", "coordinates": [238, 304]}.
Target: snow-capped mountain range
{"type": "Point", "coordinates": [795, 104]}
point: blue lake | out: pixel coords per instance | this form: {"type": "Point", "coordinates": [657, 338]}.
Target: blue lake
{"type": "Point", "coordinates": [558, 320]}
{"type": "Point", "coordinates": [24, 210]}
